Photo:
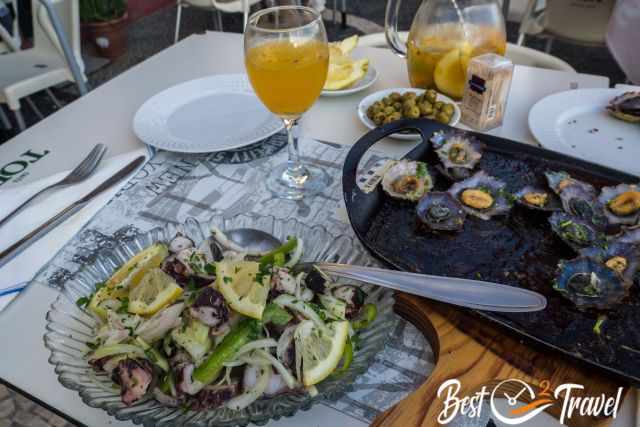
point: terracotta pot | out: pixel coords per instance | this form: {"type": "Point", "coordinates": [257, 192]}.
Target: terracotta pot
{"type": "Point", "coordinates": [108, 39]}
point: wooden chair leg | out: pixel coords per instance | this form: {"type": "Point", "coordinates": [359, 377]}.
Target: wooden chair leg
{"type": "Point", "coordinates": [178, 17]}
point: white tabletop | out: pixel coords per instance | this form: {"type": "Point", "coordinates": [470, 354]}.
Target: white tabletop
{"type": "Point", "coordinates": [105, 115]}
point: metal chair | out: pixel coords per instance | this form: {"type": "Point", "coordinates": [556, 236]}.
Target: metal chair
{"type": "Point", "coordinates": [520, 55]}
{"type": "Point", "coordinates": [217, 6]}
{"type": "Point", "coordinates": [51, 61]}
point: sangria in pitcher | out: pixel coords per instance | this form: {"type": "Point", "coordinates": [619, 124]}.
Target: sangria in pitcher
{"type": "Point", "coordinates": [444, 36]}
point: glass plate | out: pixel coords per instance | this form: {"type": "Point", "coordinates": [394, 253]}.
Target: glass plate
{"type": "Point", "coordinates": [69, 327]}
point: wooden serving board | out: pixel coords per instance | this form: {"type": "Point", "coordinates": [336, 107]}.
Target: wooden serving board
{"type": "Point", "coordinates": [478, 353]}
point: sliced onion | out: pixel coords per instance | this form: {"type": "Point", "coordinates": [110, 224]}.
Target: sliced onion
{"type": "Point", "coordinates": [160, 324]}
{"type": "Point", "coordinates": [263, 343]}
{"type": "Point", "coordinates": [296, 255]}
{"type": "Point", "coordinates": [289, 301]}
{"type": "Point", "coordinates": [282, 370]}
{"type": "Point", "coordinates": [248, 397]}
{"type": "Point", "coordinates": [112, 350]}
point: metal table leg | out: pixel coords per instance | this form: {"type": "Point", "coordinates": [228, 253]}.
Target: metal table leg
{"type": "Point", "coordinates": [66, 49]}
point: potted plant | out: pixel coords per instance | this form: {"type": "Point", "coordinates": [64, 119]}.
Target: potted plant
{"type": "Point", "coordinates": [104, 25]}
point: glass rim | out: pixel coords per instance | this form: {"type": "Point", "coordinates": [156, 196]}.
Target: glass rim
{"type": "Point", "coordinates": [251, 22]}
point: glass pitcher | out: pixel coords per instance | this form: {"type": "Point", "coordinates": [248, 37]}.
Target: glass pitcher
{"type": "Point", "coordinates": [444, 36]}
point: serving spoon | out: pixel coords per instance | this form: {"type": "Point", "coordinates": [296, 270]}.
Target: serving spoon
{"type": "Point", "coordinates": [476, 294]}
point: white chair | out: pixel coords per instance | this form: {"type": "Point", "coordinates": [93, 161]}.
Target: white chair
{"type": "Point", "coordinates": [217, 6]}
{"type": "Point", "coordinates": [8, 42]}
{"type": "Point", "coordinates": [520, 55]}
{"type": "Point", "coordinates": [26, 72]}
{"type": "Point", "coordinates": [582, 22]}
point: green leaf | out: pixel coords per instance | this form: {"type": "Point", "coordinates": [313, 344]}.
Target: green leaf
{"type": "Point", "coordinates": [124, 307]}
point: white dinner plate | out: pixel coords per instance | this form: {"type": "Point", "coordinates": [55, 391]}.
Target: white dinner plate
{"type": "Point", "coordinates": [576, 123]}
{"type": "Point", "coordinates": [366, 103]}
{"type": "Point", "coordinates": [368, 79]}
{"type": "Point", "coordinates": [216, 113]}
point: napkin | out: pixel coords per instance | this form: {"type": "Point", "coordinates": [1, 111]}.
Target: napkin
{"type": "Point", "coordinates": [20, 270]}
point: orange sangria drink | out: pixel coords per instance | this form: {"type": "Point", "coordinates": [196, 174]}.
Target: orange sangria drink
{"type": "Point", "coordinates": [438, 55]}
{"type": "Point", "coordinates": [288, 75]}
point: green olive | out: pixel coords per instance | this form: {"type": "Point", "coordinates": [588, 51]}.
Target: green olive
{"type": "Point", "coordinates": [389, 110]}
{"type": "Point", "coordinates": [396, 116]}
{"type": "Point", "coordinates": [397, 106]}
{"type": "Point", "coordinates": [395, 96]}
{"type": "Point", "coordinates": [432, 96]}
{"type": "Point", "coordinates": [371, 112]}
{"type": "Point", "coordinates": [448, 109]}
{"type": "Point", "coordinates": [411, 95]}
{"type": "Point", "coordinates": [426, 109]}
{"type": "Point", "coordinates": [443, 118]}
{"type": "Point", "coordinates": [387, 101]}
{"type": "Point", "coordinates": [438, 105]}
{"type": "Point", "coordinates": [412, 113]}
{"type": "Point", "coordinates": [431, 116]}
{"type": "Point", "coordinates": [378, 119]}
{"type": "Point", "coordinates": [388, 119]}
{"type": "Point", "coordinates": [408, 104]}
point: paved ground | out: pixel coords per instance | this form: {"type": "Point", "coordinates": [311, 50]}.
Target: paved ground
{"type": "Point", "coordinates": [154, 33]}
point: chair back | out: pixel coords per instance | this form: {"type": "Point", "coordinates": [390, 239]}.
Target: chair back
{"type": "Point", "coordinates": [623, 35]}
{"type": "Point", "coordinates": [578, 21]}
{"type": "Point", "coordinates": [44, 35]}
{"type": "Point", "coordinates": [9, 42]}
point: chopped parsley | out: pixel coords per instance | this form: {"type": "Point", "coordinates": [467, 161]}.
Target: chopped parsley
{"type": "Point", "coordinates": [192, 285]}
{"type": "Point", "coordinates": [91, 345]}
{"type": "Point", "coordinates": [227, 279]}
{"type": "Point", "coordinates": [82, 302]}
{"type": "Point", "coordinates": [210, 268]}
{"type": "Point", "coordinates": [124, 307]}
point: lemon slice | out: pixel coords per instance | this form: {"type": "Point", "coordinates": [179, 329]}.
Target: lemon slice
{"type": "Point", "coordinates": [341, 76]}
{"type": "Point", "coordinates": [450, 74]}
{"type": "Point", "coordinates": [156, 290]}
{"type": "Point", "coordinates": [321, 349]}
{"type": "Point", "coordinates": [348, 44]}
{"type": "Point", "coordinates": [102, 300]}
{"type": "Point", "coordinates": [243, 287]}
{"type": "Point", "coordinates": [129, 275]}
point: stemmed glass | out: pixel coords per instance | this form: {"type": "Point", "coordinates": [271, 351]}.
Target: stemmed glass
{"type": "Point", "coordinates": [287, 58]}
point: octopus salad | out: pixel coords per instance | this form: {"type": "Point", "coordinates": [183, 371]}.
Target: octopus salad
{"type": "Point", "coordinates": [212, 325]}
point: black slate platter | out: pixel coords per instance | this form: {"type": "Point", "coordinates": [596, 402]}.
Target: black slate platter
{"type": "Point", "coordinates": [519, 249]}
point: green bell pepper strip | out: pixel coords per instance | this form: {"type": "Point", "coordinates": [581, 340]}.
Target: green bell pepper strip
{"type": "Point", "coordinates": [241, 334]}
{"type": "Point", "coordinates": [367, 315]}
{"type": "Point", "coordinates": [347, 358]}
{"type": "Point", "coordinates": [285, 249]}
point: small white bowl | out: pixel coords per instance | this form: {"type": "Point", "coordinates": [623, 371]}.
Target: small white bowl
{"type": "Point", "coordinates": [368, 79]}
{"type": "Point", "coordinates": [369, 100]}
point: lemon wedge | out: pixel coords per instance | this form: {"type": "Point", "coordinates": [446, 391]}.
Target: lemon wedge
{"type": "Point", "coordinates": [243, 286]}
{"type": "Point", "coordinates": [321, 349]}
{"type": "Point", "coordinates": [130, 274]}
{"type": "Point", "coordinates": [103, 299]}
{"type": "Point", "coordinates": [348, 44]}
{"type": "Point", "coordinates": [155, 291]}
{"type": "Point", "coordinates": [450, 74]}
{"type": "Point", "coordinates": [343, 70]}
{"type": "Point", "coordinates": [341, 76]}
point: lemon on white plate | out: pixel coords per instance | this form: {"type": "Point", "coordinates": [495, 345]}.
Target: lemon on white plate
{"type": "Point", "coordinates": [127, 277]}
{"type": "Point", "coordinates": [243, 287]}
{"type": "Point", "coordinates": [321, 348]}
{"type": "Point", "coordinates": [155, 291]}
{"type": "Point", "coordinates": [347, 75]}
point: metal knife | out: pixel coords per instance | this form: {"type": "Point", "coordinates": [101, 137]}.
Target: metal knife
{"type": "Point", "coordinates": [463, 292]}
{"type": "Point", "coordinates": [15, 249]}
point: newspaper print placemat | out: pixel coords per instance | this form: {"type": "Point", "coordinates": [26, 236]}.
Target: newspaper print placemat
{"type": "Point", "coordinates": [172, 187]}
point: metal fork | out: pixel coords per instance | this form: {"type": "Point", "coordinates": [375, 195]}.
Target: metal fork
{"type": "Point", "coordinates": [79, 174]}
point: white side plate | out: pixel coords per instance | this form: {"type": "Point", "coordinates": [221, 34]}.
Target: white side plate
{"type": "Point", "coordinates": [366, 102]}
{"type": "Point", "coordinates": [576, 123]}
{"type": "Point", "coordinates": [368, 79]}
{"type": "Point", "coordinates": [216, 113]}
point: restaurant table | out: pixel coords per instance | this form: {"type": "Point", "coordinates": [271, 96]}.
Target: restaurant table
{"type": "Point", "coordinates": [105, 115]}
